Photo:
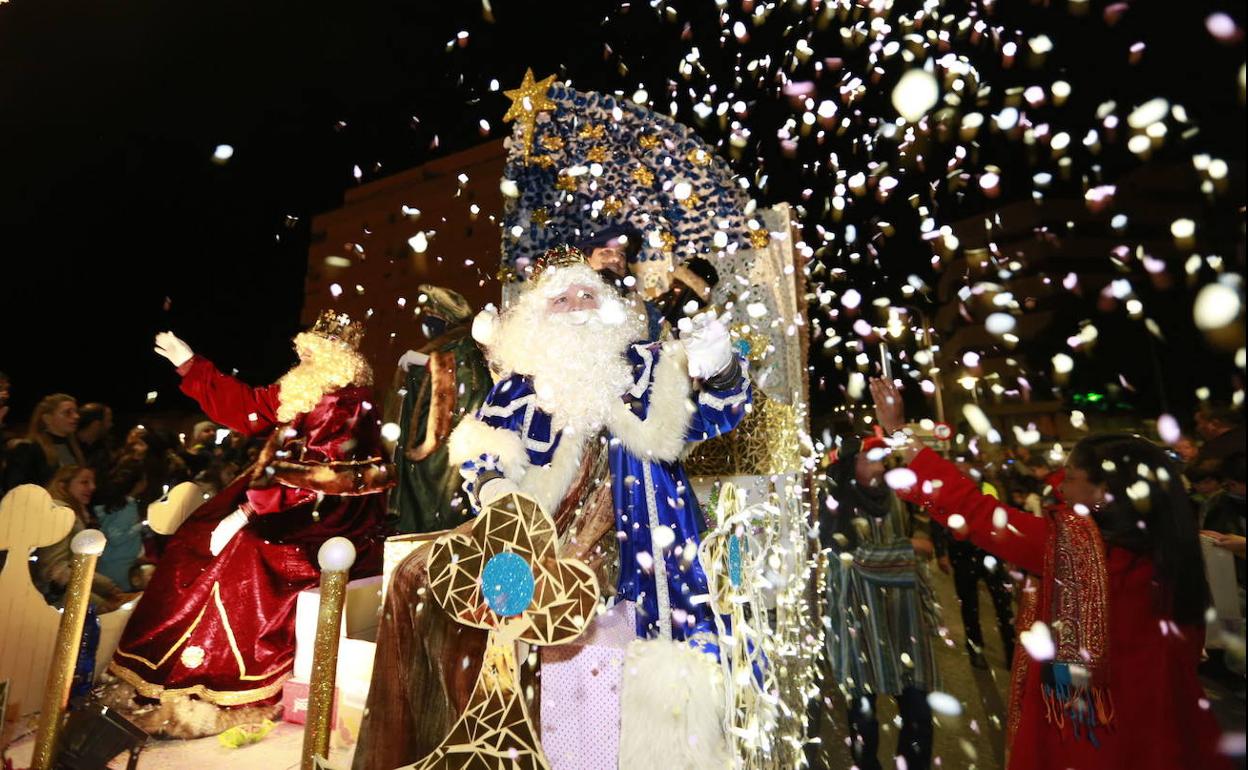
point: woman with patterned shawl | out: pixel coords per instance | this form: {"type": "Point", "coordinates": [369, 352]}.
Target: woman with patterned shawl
{"type": "Point", "coordinates": [1105, 677]}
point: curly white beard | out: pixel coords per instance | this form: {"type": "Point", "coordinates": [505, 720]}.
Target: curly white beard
{"type": "Point", "coordinates": [324, 367]}
{"type": "Point", "coordinates": [577, 360]}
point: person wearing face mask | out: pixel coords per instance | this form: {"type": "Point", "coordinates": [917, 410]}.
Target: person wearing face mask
{"type": "Point", "coordinates": [435, 386]}
{"type": "Point", "coordinates": [94, 434]}
{"type": "Point", "coordinates": [880, 604]}
{"type": "Point", "coordinates": [1113, 628]}
{"type": "Point", "coordinates": [610, 252]}
{"type": "Point", "coordinates": [49, 444]}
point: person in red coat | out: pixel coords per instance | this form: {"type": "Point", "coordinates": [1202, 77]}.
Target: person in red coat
{"type": "Point", "coordinates": [215, 629]}
{"type": "Point", "coordinates": [1105, 677]}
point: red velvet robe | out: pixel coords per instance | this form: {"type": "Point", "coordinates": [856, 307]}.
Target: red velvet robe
{"type": "Point", "coordinates": [223, 627]}
{"type": "Point", "coordinates": [1159, 722]}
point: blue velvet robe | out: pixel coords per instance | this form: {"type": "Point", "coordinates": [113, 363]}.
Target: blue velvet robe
{"type": "Point", "coordinates": [649, 485]}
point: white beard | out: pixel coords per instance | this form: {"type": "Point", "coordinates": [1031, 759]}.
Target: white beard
{"type": "Point", "coordinates": [301, 389]}
{"type": "Point", "coordinates": [577, 360]}
{"type": "Point", "coordinates": [582, 371]}
{"type": "Point", "coordinates": [325, 365]}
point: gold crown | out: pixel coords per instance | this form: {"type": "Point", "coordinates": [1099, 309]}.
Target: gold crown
{"type": "Point", "coordinates": [340, 327]}
{"type": "Point", "coordinates": [562, 255]}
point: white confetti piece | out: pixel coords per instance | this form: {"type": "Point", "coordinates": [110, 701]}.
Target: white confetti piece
{"type": "Point", "coordinates": [1038, 642]}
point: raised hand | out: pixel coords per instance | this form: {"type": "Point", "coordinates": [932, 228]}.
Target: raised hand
{"type": "Point", "coordinates": [707, 344]}
{"type": "Point", "coordinates": [890, 410]}
{"type": "Point", "coordinates": [172, 348]}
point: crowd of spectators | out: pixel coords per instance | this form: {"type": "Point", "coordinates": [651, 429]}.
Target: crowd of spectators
{"type": "Point", "coordinates": [108, 474]}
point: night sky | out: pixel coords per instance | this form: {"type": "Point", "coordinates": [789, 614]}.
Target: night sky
{"type": "Point", "coordinates": [115, 223]}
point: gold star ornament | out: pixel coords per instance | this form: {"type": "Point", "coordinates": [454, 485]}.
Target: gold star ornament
{"type": "Point", "coordinates": [643, 176]}
{"type": "Point", "coordinates": [526, 102]}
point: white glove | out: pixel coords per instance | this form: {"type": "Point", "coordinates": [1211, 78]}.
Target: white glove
{"type": "Point", "coordinates": [172, 348]}
{"type": "Point", "coordinates": [707, 345]}
{"type": "Point", "coordinates": [494, 489]}
{"type": "Point", "coordinates": [484, 324]}
{"type": "Point", "coordinates": [412, 358]}
{"type": "Point", "coordinates": [226, 529]}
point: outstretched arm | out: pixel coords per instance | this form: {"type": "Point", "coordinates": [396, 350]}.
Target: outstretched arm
{"type": "Point", "coordinates": [1013, 535]}
{"type": "Point", "coordinates": [225, 399]}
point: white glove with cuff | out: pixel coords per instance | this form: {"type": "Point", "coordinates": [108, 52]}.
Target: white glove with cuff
{"type": "Point", "coordinates": [413, 358]}
{"type": "Point", "coordinates": [484, 324]}
{"type": "Point", "coordinates": [172, 348]}
{"type": "Point", "coordinates": [707, 344]}
{"type": "Point", "coordinates": [494, 489]}
{"type": "Point", "coordinates": [226, 529]}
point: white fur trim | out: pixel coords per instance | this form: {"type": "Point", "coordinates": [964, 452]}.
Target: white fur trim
{"type": "Point", "coordinates": [547, 484]}
{"type": "Point", "coordinates": [661, 436]}
{"type": "Point", "coordinates": [671, 708]}
{"type": "Point", "coordinates": [472, 438]}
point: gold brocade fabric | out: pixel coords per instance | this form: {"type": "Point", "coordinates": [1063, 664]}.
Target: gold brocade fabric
{"type": "Point", "coordinates": [1073, 600]}
{"type": "Point", "coordinates": [767, 441]}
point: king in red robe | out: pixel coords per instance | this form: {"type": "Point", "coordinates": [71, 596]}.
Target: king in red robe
{"type": "Point", "coordinates": [217, 623]}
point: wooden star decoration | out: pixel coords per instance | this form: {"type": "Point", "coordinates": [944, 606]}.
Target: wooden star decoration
{"type": "Point", "coordinates": [526, 102]}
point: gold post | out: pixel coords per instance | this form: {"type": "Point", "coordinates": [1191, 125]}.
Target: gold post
{"type": "Point", "coordinates": [86, 546]}
{"type": "Point", "coordinates": [336, 557]}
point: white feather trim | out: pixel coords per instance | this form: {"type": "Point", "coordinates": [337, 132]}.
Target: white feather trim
{"type": "Point", "coordinates": [661, 436]}
{"type": "Point", "coordinates": [671, 708]}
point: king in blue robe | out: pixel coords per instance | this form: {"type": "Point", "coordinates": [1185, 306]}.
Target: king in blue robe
{"type": "Point", "coordinates": [647, 429]}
